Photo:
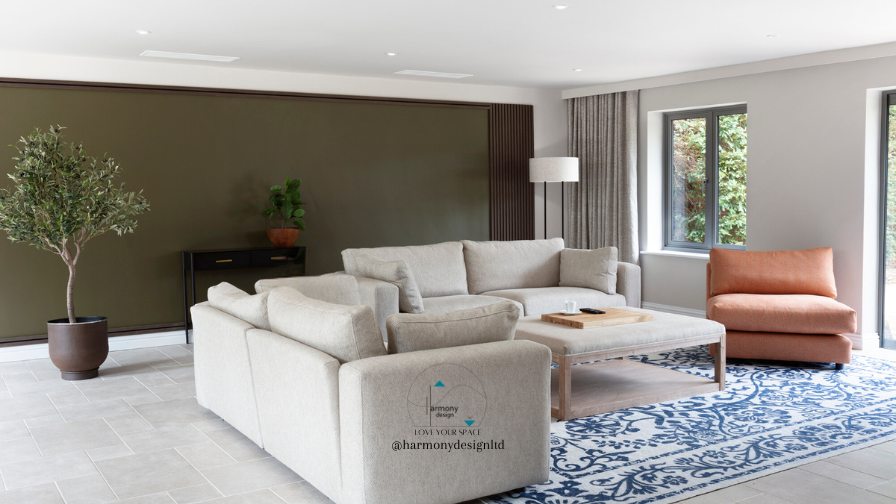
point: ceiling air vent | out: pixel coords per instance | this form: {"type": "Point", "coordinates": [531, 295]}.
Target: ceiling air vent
{"type": "Point", "coordinates": [188, 56]}
{"type": "Point", "coordinates": [425, 73]}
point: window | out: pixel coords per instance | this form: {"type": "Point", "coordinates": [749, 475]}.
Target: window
{"type": "Point", "coordinates": [706, 179]}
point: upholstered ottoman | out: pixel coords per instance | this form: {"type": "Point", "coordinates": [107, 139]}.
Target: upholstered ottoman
{"type": "Point", "coordinates": [579, 390]}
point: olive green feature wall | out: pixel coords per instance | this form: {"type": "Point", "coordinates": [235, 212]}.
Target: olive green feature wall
{"type": "Point", "coordinates": [372, 175]}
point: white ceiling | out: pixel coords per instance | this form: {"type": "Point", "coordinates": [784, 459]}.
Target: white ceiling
{"type": "Point", "coordinates": [507, 42]}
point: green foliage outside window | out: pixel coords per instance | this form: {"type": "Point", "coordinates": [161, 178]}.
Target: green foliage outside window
{"type": "Point", "coordinates": [689, 173]}
{"type": "Point", "coordinates": [891, 190]}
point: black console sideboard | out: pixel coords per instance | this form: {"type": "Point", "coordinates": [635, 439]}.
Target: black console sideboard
{"type": "Point", "coordinates": [206, 260]}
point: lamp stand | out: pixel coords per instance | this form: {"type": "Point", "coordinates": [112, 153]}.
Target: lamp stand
{"type": "Point", "coordinates": [545, 210]}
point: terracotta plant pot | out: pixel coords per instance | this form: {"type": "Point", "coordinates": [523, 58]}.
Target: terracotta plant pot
{"type": "Point", "coordinates": [284, 237]}
{"type": "Point", "coordinates": [78, 349]}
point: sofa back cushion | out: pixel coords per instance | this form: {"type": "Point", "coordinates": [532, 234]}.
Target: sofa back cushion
{"type": "Point", "coordinates": [397, 273]}
{"type": "Point", "coordinates": [497, 265]}
{"type": "Point", "coordinates": [782, 272]}
{"type": "Point", "coordinates": [412, 332]}
{"type": "Point", "coordinates": [238, 303]}
{"type": "Point", "coordinates": [347, 333]}
{"type": "Point", "coordinates": [333, 288]}
{"type": "Point", "coordinates": [438, 269]}
{"type": "Point", "coordinates": [592, 269]}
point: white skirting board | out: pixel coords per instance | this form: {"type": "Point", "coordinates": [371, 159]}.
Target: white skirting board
{"type": "Point", "coordinates": [859, 341]}
{"type": "Point", "coordinates": [41, 350]}
{"type": "Point", "coordinates": [690, 312]}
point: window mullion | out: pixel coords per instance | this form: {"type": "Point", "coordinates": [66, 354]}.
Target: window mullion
{"type": "Point", "coordinates": [712, 172]}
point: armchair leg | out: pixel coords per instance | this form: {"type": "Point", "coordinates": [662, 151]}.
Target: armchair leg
{"type": "Point", "coordinates": [839, 366]}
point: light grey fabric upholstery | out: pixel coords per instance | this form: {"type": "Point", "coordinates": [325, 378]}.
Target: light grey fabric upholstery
{"type": "Point", "coordinates": [665, 327]}
{"type": "Point", "coordinates": [496, 265]}
{"type": "Point", "coordinates": [603, 206]}
{"type": "Point", "coordinates": [234, 301]}
{"type": "Point", "coordinates": [298, 407]}
{"type": "Point", "coordinates": [397, 273]}
{"type": "Point", "coordinates": [438, 269]}
{"type": "Point", "coordinates": [381, 296]}
{"type": "Point", "coordinates": [223, 374]}
{"type": "Point", "coordinates": [453, 303]}
{"type": "Point", "coordinates": [592, 269]}
{"type": "Point", "coordinates": [514, 377]}
{"type": "Point", "coordinates": [345, 332]}
{"type": "Point", "coordinates": [628, 283]}
{"type": "Point", "coordinates": [412, 332]}
{"type": "Point", "coordinates": [333, 288]}
{"type": "Point", "coordinates": [551, 299]}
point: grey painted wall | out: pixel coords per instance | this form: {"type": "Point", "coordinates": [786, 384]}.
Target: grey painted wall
{"type": "Point", "coordinates": [811, 177]}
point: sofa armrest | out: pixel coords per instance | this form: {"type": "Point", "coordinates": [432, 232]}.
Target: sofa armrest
{"type": "Point", "coordinates": [387, 435]}
{"type": "Point", "coordinates": [381, 296]}
{"type": "Point", "coordinates": [628, 283]}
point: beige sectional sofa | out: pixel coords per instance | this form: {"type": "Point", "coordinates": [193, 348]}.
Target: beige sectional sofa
{"type": "Point", "coordinates": [466, 274]}
{"type": "Point", "coordinates": [302, 371]}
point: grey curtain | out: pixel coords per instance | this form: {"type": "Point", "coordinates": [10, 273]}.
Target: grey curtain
{"type": "Point", "coordinates": [602, 208]}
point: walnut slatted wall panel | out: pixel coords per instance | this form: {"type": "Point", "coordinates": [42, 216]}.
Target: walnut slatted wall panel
{"type": "Point", "coordinates": [512, 196]}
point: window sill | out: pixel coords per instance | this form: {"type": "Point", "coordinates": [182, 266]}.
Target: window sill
{"type": "Point", "coordinates": [674, 253]}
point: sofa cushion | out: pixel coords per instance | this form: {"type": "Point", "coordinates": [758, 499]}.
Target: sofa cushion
{"type": "Point", "coordinates": [396, 273]}
{"type": "Point", "coordinates": [783, 272]}
{"type": "Point", "coordinates": [347, 333]}
{"type": "Point", "coordinates": [412, 332]}
{"type": "Point", "coordinates": [523, 264]}
{"type": "Point", "coordinates": [438, 269]}
{"type": "Point", "coordinates": [551, 299]}
{"type": "Point", "coordinates": [593, 269]}
{"type": "Point", "coordinates": [332, 288]}
{"type": "Point", "coordinates": [792, 313]}
{"type": "Point", "coordinates": [234, 301]}
{"type": "Point", "coordinates": [453, 303]}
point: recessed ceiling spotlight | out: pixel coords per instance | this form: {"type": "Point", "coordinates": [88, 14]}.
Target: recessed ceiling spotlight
{"type": "Point", "coordinates": [391, 54]}
{"type": "Point", "coordinates": [143, 32]}
{"type": "Point", "coordinates": [576, 69]}
{"type": "Point", "coordinates": [560, 6]}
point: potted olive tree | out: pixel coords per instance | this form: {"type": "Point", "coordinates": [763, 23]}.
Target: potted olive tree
{"type": "Point", "coordinates": [286, 202]}
{"type": "Point", "coordinates": [61, 199]}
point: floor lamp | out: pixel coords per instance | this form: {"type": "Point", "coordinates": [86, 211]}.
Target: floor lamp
{"type": "Point", "coordinates": [554, 169]}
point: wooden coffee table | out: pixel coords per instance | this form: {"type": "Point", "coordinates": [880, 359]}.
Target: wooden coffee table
{"type": "Point", "coordinates": [579, 390]}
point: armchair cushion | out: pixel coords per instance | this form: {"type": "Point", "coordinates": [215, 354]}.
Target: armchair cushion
{"type": "Point", "coordinates": [782, 272]}
{"type": "Point", "coordinates": [332, 288]}
{"type": "Point", "coordinates": [238, 303]}
{"type": "Point", "coordinates": [411, 332]}
{"type": "Point", "coordinates": [801, 314]}
{"type": "Point", "coordinates": [594, 269]}
{"type": "Point", "coordinates": [494, 265]}
{"type": "Point", "coordinates": [397, 273]}
{"type": "Point", "coordinates": [346, 333]}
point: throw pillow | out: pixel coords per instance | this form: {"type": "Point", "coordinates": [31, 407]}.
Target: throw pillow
{"type": "Point", "coordinates": [594, 269]}
{"type": "Point", "coordinates": [410, 332]}
{"type": "Point", "coordinates": [397, 273]}
{"type": "Point", "coordinates": [233, 301]}
{"type": "Point", "coordinates": [347, 333]}
{"type": "Point", "coordinates": [332, 288]}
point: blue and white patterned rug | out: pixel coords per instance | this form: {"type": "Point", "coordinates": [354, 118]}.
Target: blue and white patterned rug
{"type": "Point", "coordinates": [770, 417]}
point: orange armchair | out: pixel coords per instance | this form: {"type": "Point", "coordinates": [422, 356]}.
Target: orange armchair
{"type": "Point", "coordinates": [779, 305]}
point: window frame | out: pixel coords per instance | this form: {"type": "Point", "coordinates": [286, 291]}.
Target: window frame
{"type": "Point", "coordinates": [711, 204]}
{"type": "Point", "coordinates": [888, 99]}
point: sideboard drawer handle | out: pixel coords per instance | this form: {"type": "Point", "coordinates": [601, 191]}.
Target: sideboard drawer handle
{"type": "Point", "coordinates": [279, 258]}
{"type": "Point", "coordinates": [224, 260]}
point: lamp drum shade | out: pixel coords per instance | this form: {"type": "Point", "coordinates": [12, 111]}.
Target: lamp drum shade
{"type": "Point", "coordinates": [554, 169]}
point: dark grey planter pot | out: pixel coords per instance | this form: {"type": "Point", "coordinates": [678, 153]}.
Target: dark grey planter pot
{"type": "Point", "coordinates": [79, 349]}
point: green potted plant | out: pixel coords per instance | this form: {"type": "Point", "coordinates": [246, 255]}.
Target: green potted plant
{"type": "Point", "coordinates": [59, 201]}
{"type": "Point", "coordinates": [286, 202]}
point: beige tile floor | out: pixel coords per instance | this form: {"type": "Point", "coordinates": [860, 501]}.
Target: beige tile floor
{"type": "Point", "coordinates": [137, 435]}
